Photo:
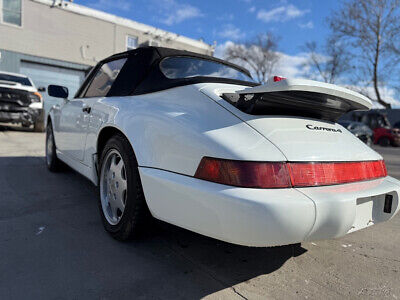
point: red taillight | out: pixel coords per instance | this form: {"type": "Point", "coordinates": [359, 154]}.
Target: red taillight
{"type": "Point", "coordinates": [243, 173]}
{"type": "Point", "coordinates": [284, 175]}
{"type": "Point", "coordinates": [314, 174]}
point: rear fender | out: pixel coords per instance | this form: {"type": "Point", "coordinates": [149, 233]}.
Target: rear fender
{"type": "Point", "coordinates": [173, 129]}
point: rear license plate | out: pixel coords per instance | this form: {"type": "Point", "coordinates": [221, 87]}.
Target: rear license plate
{"type": "Point", "coordinates": [364, 212]}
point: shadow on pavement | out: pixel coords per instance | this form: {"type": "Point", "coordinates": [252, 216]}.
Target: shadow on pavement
{"type": "Point", "coordinates": [53, 245]}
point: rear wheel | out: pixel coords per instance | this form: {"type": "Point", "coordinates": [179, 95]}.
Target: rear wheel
{"type": "Point", "coordinates": [52, 161]}
{"type": "Point", "coordinates": [384, 142]}
{"type": "Point", "coordinates": [122, 205]}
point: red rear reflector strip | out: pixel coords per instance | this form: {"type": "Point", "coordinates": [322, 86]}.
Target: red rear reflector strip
{"type": "Point", "coordinates": [314, 174]}
{"type": "Point", "coordinates": [284, 175]}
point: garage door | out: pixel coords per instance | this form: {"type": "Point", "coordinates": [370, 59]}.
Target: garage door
{"type": "Point", "coordinates": [43, 75]}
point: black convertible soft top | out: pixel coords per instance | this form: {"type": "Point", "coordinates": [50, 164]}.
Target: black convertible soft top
{"type": "Point", "coordinates": [141, 74]}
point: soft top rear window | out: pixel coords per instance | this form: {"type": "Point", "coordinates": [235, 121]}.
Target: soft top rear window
{"type": "Point", "coordinates": [17, 79]}
{"type": "Point", "coordinates": [177, 67]}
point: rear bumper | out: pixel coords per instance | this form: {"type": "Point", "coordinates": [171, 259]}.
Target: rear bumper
{"type": "Point", "coordinates": [21, 115]}
{"type": "Point", "coordinates": [267, 217]}
{"type": "Point", "coordinates": [347, 208]}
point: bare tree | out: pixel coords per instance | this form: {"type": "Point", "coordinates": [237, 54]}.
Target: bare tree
{"type": "Point", "coordinates": [371, 29]}
{"type": "Point", "coordinates": [330, 63]}
{"type": "Point", "coordinates": [259, 55]}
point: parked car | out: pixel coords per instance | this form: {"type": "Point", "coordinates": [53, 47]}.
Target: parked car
{"type": "Point", "coordinates": [384, 134]}
{"type": "Point", "coordinates": [20, 101]}
{"type": "Point", "coordinates": [360, 130]}
{"type": "Point", "coordinates": [192, 140]}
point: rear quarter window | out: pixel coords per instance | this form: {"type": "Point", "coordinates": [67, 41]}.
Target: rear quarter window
{"type": "Point", "coordinates": [104, 78]}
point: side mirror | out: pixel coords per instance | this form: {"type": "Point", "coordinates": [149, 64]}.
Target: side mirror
{"type": "Point", "coordinates": [57, 91]}
{"type": "Point", "coordinates": [41, 89]}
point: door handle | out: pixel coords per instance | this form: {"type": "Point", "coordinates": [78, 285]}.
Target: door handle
{"type": "Point", "coordinates": [87, 109]}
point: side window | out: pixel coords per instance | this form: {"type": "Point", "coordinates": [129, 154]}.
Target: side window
{"type": "Point", "coordinates": [104, 78]}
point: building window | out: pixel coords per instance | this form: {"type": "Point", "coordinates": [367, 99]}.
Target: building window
{"type": "Point", "coordinates": [12, 12]}
{"type": "Point", "coordinates": [131, 42]}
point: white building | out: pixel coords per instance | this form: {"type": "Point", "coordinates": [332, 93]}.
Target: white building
{"type": "Point", "coordinates": [57, 42]}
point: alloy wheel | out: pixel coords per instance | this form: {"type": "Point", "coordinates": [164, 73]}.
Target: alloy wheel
{"type": "Point", "coordinates": [113, 187]}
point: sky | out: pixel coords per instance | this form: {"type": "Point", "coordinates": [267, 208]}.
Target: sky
{"type": "Point", "coordinates": [234, 21]}
{"type": "Point", "coordinates": [294, 22]}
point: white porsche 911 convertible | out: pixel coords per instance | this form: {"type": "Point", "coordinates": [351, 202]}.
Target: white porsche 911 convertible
{"type": "Point", "coordinates": [193, 141]}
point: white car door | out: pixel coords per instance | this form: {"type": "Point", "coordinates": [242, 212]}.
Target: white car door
{"type": "Point", "coordinates": [72, 128]}
{"type": "Point", "coordinates": [75, 113]}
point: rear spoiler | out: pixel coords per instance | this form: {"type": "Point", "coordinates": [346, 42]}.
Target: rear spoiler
{"type": "Point", "coordinates": [298, 97]}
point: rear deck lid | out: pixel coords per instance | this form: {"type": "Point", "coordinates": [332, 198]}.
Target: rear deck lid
{"type": "Point", "coordinates": [310, 140]}
{"type": "Point", "coordinates": [298, 116]}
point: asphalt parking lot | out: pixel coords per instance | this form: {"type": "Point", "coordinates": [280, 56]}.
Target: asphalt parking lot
{"type": "Point", "coordinates": [53, 246]}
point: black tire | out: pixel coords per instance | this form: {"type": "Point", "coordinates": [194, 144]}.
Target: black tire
{"type": "Point", "coordinates": [52, 161]}
{"type": "Point", "coordinates": [384, 142]}
{"type": "Point", "coordinates": [38, 126]}
{"type": "Point", "coordinates": [136, 218]}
